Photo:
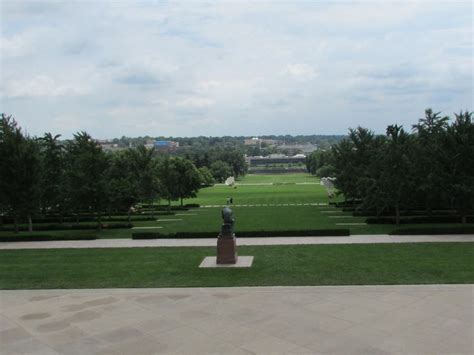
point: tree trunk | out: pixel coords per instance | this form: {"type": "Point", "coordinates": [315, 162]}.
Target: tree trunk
{"type": "Point", "coordinates": [99, 220]}
{"type": "Point", "coordinates": [397, 214]}
{"type": "Point", "coordinates": [464, 219]}
{"type": "Point", "coordinates": [169, 205]}
{"type": "Point", "coordinates": [129, 214]}
{"type": "Point", "coordinates": [15, 222]}
{"type": "Point", "coordinates": [181, 202]}
{"type": "Point", "coordinates": [30, 223]}
{"type": "Point", "coordinates": [152, 210]}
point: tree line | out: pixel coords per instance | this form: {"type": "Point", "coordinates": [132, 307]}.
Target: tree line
{"type": "Point", "coordinates": [430, 168]}
{"type": "Point", "coordinates": [47, 176]}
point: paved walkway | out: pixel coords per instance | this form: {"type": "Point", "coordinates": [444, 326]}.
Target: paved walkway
{"type": "Point", "coordinates": [318, 204]}
{"type": "Point", "coordinates": [131, 243]}
{"type": "Point", "coordinates": [430, 319]}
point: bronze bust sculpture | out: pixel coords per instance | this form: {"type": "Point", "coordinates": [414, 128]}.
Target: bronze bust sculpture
{"type": "Point", "coordinates": [227, 229]}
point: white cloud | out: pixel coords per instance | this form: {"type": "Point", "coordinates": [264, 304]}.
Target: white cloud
{"type": "Point", "coordinates": [247, 68]}
{"type": "Point", "coordinates": [41, 86]}
{"type": "Point", "coordinates": [195, 102]}
{"type": "Point", "coordinates": [301, 72]}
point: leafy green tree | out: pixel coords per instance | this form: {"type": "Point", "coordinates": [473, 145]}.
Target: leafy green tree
{"type": "Point", "coordinates": [122, 183]}
{"type": "Point", "coordinates": [430, 133]}
{"type": "Point", "coordinates": [167, 175]}
{"type": "Point", "coordinates": [188, 180]}
{"type": "Point", "coordinates": [458, 148]}
{"type": "Point", "coordinates": [146, 171]}
{"type": "Point", "coordinates": [221, 170]}
{"type": "Point", "coordinates": [52, 174]}
{"type": "Point", "coordinates": [392, 177]}
{"type": "Point", "coordinates": [19, 171]}
{"type": "Point", "coordinates": [85, 175]}
{"type": "Point", "coordinates": [180, 179]}
{"type": "Point", "coordinates": [206, 176]}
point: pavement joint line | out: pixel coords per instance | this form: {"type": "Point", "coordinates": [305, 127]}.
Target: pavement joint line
{"type": "Point", "coordinates": [351, 224]}
{"type": "Point", "coordinates": [169, 220]}
{"type": "Point", "coordinates": [157, 227]}
{"type": "Point", "coordinates": [206, 242]}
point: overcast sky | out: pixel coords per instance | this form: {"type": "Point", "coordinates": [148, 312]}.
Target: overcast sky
{"type": "Point", "coordinates": [232, 68]}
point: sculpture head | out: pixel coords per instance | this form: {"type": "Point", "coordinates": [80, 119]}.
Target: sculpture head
{"type": "Point", "coordinates": [227, 215]}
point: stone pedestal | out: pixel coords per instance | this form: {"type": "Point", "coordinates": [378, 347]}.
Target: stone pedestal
{"type": "Point", "coordinates": [226, 250]}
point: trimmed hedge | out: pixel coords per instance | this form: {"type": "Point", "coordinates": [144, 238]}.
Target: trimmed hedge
{"type": "Point", "coordinates": [56, 227]}
{"type": "Point", "coordinates": [117, 217]}
{"type": "Point", "coordinates": [164, 207]}
{"type": "Point", "coordinates": [418, 220]}
{"type": "Point", "coordinates": [409, 213]}
{"type": "Point", "coordinates": [245, 234]}
{"type": "Point", "coordinates": [433, 230]}
{"type": "Point", "coordinates": [44, 237]}
{"type": "Point", "coordinates": [192, 205]}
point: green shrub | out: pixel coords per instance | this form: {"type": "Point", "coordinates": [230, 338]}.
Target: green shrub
{"type": "Point", "coordinates": [433, 230]}
{"type": "Point", "coordinates": [44, 237]}
{"type": "Point", "coordinates": [56, 227]}
{"type": "Point", "coordinates": [417, 220]}
{"type": "Point", "coordinates": [244, 234]}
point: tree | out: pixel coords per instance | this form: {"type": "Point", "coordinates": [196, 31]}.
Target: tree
{"type": "Point", "coordinates": [221, 170]}
{"type": "Point", "coordinates": [188, 180]}
{"type": "Point", "coordinates": [85, 177]}
{"type": "Point", "coordinates": [430, 173]}
{"type": "Point", "coordinates": [458, 148]}
{"type": "Point", "coordinates": [52, 173]}
{"type": "Point", "coordinates": [146, 171]}
{"type": "Point", "coordinates": [167, 177]}
{"type": "Point", "coordinates": [206, 176]}
{"type": "Point", "coordinates": [122, 183]}
{"type": "Point", "coordinates": [19, 171]}
{"type": "Point", "coordinates": [392, 182]}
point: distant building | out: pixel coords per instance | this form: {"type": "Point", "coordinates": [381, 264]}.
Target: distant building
{"type": "Point", "coordinates": [108, 146]}
{"type": "Point", "coordinates": [259, 142]}
{"type": "Point", "coordinates": [168, 146]}
{"type": "Point", "coordinates": [297, 148]}
{"type": "Point", "coordinates": [275, 159]}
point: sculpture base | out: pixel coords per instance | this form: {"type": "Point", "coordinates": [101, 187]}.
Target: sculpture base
{"type": "Point", "coordinates": [243, 261]}
{"type": "Point", "coordinates": [226, 250]}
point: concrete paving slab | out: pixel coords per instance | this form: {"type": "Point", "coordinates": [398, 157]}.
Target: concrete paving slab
{"type": "Point", "coordinates": [211, 262]}
{"type": "Point", "coordinates": [202, 242]}
{"type": "Point", "coordinates": [415, 319]}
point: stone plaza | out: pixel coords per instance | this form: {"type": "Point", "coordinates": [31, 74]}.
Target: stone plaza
{"type": "Point", "coordinates": [423, 319]}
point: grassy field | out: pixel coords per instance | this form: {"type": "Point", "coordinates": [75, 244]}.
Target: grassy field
{"type": "Point", "coordinates": [278, 178]}
{"type": "Point", "coordinates": [287, 191]}
{"type": "Point", "coordinates": [429, 263]}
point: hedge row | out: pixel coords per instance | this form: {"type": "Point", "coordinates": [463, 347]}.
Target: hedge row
{"type": "Point", "coordinates": [418, 220]}
{"type": "Point", "coordinates": [251, 234]}
{"type": "Point", "coordinates": [44, 237]}
{"type": "Point", "coordinates": [415, 213]}
{"type": "Point", "coordinates": [173, 208]}
{"type": "Point", "coordinates": [56, 227]}
{"type": "Point", "coordinates": [118, 217]}
{"type": "Point", "coordinates": [433, 230]}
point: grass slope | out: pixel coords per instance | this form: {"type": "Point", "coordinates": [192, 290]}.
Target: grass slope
{"type": "Point", "coordinates": [428, 263]}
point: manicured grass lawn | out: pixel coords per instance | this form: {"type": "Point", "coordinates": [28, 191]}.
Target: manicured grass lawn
{"type": "Point", "coordinates": [258, 194]}
{"type": "Point", "coordinates": [278, 178]}
{"type": "Point", "coordinates": [256, 218]}
{"type": "Point", "coordinates": [427, 263]}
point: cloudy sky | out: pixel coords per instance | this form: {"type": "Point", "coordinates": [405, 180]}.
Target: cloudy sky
{"type": "Point", "coordinates": [191, 68]}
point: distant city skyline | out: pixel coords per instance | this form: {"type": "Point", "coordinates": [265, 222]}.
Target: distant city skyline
{"type": "Point", "coordinates": [185, 69]}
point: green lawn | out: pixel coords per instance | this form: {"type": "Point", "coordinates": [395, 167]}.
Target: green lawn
{"type": "Point", "coordinates": [268, 218]}
{"type": "Point", "coordinates": [258, 194]}
{"type": "Point", "coordinates": [427, 263]}
{"type": "Point", "coordinates": [278, 178]}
